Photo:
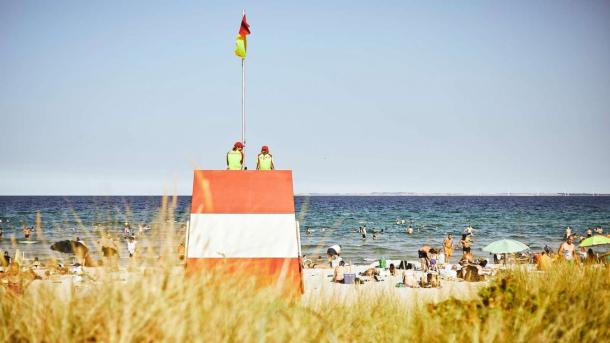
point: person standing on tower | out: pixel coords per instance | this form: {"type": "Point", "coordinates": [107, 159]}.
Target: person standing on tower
{"type": "Point", "coordinates": [235, 157]}
{"type": "Point", "coordinates": [264, 160]}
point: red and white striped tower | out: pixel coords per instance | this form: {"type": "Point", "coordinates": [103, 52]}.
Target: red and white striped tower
{"type": "Point", "coordinates": [243, 222]}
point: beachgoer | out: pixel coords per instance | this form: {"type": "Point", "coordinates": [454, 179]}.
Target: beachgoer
{"type": "Point", "coordinates": [448, 247]}
{"type": "Point", "coordinates": [1, 233]}
{"type": "Point", "coordinates": [567, 249]}
{"type": "Point", "coordinates": [433, 258]}
{"type": "Point", "coordinates": [409, 230]}
{"type": "Point", "coordinates": [374, 236]}
{"type": "Point", "coordinates": [36, 263]}
{"type": "Point", "coordinates": [591, 257]}
{"type": "Point", "coordinates": [408, 277]}
{"type": "Point", "coordinates": [334, 255]}
{"type": "Point", "coordinates": [568, 232]}
{"type": "Point", "coordinates": [6, 259]}
{"type": "Point", "coordinates": [466, 242]}
{"type": "Point", "coordinates": [468, 230]}
{"type": "Point", "coordinates": [392, 269]}
{"type": "Point", "coordinates": [364, 232]}
{"type": "Point", "coordinates": [126, 230]}
{"type": "Point", "coordinates": [382, 230]}
{"type": "Point", "coordinates": [27, 232]}
{"type": "Point", "coordinates": [589, 232]}
{"type": "Point", "coordinates": [131, 246]}
{"type": "Point", "coordinates": [339, 274]}
{"type": "Point", "coordinates": [424, 260]}
{"type": "Point", "coordinates": [140, 230]}
{"type": "Point", "coordinates": [264, 160]}
{"type": "Point", "coordinates": [181, 251]}
{"type": "Point", "coordinates": [235, 157]}
{"type": "Point", "coordinates": [308, 231]}
{"type": "Point", "coordinates": [544, 262]}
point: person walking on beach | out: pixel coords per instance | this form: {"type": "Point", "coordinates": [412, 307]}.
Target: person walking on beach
{"type": "Point", "coordinates": [422, 253]}
{"type": "Point", "coordinates": [466, 242]}
{"type": "Point", "coordinates": [567, 249]}
{"type": "Point", "coordinates": [131, 246]}
{"type": "Point", "coordinates": [126, 230]}
{"type": "Point", "coordinates": [264, 160]}
{"type": "Point", "coordinates": [448, 247]}
{"type": "Point", "coordinates": [235, 157]}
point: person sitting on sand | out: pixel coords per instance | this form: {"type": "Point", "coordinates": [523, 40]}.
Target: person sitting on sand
{"type": "Point", "coordinates": [339, 274]}
{"type": "Point", "coordinates": [422, 254]}
{"type": "Point", "coordinates": [36, 263]}
{"type": "Point", "coordinates": [591, 258]}
{"type": "Point", "coordinates": [544, 261]}
{"type": "Point", "coordinates": [392, 269]}
{"type": "Point", "coordinates": [409, 278]}
{"type": "Point", "coordinates": [567, 249]}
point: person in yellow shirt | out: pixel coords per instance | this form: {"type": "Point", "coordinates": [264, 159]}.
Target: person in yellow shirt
{"type": "Point", "coordinates": [264, 160]}
{"type": "Point", "coordinates": [235, 157]}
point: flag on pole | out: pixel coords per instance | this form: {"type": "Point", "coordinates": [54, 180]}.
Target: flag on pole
{"type": "Point", "coordinates": [241, 42]}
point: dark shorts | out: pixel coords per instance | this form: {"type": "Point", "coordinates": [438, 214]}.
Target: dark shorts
{"type": "Point", "coordinates": [466, 249]}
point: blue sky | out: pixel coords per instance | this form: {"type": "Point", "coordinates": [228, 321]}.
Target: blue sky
{"type": "Point", "coordinates": [432, 96]}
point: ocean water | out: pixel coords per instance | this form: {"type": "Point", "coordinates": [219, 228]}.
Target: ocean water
{"type": "Point", "coordinates": [536, 221]}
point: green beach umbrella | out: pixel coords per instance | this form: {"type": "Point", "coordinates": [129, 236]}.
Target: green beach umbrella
{"type": "Point", "coordinates": [505, 246]}
{"type": "Point", "coordinates": [595, 240]}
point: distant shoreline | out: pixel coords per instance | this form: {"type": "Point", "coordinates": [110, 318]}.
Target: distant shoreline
{"type": "Point", "coordinates": [374, 194]}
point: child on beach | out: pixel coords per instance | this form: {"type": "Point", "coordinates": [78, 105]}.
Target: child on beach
{"type": "Point", "coordinates": [131, 246]}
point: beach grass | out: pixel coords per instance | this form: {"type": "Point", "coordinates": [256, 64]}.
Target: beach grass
{"type": "Point", "coordinates": [568, 303]}
{"type": "Point", "coordinates": [153, 300]}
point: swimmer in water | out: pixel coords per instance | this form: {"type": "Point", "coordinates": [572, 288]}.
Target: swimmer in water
{"type": "Point", "coordinates": [27, 232]}
{"type": "Point", "coordinates": [409, 230]}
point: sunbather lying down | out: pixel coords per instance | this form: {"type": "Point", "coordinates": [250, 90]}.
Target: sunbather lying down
{"type": "Point", "coordinates": [370, 272]}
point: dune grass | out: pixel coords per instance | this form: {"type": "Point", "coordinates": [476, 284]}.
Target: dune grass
{"type": "Point", "coordinates": [156, 301]}
{"type": "Point", "coordinates": [568, 303]}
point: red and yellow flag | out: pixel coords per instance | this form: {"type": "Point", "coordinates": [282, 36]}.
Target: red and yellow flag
{"type": "Point", "coordinates": [241, 42]}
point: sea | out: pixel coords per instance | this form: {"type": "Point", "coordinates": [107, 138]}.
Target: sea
{"type": "Point", "coordinates": [537, 221]}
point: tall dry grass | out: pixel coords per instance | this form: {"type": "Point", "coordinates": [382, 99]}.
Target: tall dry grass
{"type": "Point", "coordinates": [157, 302]}
{"type": "Point", "coordinates": [569, 303]}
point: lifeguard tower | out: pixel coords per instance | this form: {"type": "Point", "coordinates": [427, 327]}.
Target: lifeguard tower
{"type": "Point", "coordinates": [244, 222]}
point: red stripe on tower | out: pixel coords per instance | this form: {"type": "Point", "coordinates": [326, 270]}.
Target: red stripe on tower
{"type": "Point", "coordinates": [244, 222]}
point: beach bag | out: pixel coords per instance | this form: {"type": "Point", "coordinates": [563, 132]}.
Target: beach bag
{"type": "Point", "coordinates": [382, 263]}
{"type": "Point", "coordinates": [349, 278]}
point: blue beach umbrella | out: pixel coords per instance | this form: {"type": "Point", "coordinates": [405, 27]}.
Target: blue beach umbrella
{"type": "Point", "coordinates": [505, 246]}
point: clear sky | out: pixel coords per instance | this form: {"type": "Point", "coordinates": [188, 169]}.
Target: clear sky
{"type": "Point", "coordinates": [104, 97]}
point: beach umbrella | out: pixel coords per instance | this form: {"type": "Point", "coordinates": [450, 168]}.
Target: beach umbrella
{"type": "Point", "coordinates": [595, 240]}
{"type": "Point", "coordinates": [505, 246]}
{"type": "Point", "coordinates": [70, 247]}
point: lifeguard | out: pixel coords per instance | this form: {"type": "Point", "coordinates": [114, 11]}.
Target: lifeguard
{"type": "Point", "coordinates": [264, 160]}
{"type": "Point", "coordinates": [235, 157]}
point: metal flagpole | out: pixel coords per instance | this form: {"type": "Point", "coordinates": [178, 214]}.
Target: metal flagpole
{"type": "Point", "coordinates": [243, 101]}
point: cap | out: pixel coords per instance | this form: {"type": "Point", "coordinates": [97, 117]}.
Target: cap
{"type": "Point", "coordinates": [238, 145]}
{"type": "Point", "coordinates": [265, 148]}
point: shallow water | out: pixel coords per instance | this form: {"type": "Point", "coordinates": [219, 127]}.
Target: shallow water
{"type": "Point", "coordinates": [536, 221]}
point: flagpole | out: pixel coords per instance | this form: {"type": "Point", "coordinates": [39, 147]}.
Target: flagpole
{"type": "Point", "coordinates": [243, 103]}
{"type": "Point", "coordinates": [243, 100]}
